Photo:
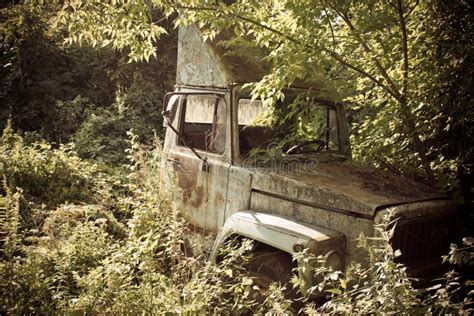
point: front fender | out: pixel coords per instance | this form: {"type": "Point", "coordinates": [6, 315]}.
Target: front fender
{"type": "Point", "coordinates": [280, 232]}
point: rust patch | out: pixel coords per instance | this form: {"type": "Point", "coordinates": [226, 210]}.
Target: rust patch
{"type": "Point", "coordinates": [219, 199]}
{"type": "Point", "coordinates": [197, 201]}
{"type": "Point", "coordinates": [186, 173]}
{"type": "Point", "coordinates": [193, 229]}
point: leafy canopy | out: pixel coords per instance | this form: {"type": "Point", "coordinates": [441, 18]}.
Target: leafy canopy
{"type": "Point", "coordinates": [372, 54]}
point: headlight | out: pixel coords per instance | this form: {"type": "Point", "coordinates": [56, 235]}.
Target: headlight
{"type": "Point", "coordinates": [334, 260]}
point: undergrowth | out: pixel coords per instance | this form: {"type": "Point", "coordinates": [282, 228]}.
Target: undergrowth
{"type": "Point", "coordinates": [122, 256]}
{"type": "Point", "coordinates": [80, 237]}
{"type": "Point", "coordinates": [383, 286]}
{"type": "Point", "coordinates": [45, 174]}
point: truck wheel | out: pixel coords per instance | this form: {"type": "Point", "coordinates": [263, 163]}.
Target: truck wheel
{"type": "Point", "coordinates": [267, 267]}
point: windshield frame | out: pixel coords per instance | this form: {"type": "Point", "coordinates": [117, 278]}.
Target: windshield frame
{"type": "Point", "coordinates": [343, 150]}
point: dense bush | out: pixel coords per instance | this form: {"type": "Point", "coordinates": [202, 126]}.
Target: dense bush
{"type": "Point", "coordinates": [149, 272]}
{"type": "Point", "coordinates": [43, 277]}
{"type": "Point", "coordinates": [383, 285]}
{"type": "Point", "coordinates": [442, 100]}
{"type": "Point", "coordinates": [102, 136]}
{"type": "Point", "coordinates": [39, 75]}
{"type": "Point", "coordinates": [85, 260]}
{"type": "Point", "coordinates": [52, 176]}
{"type": "Point", "coordinates": [126, 255]}
{"type": "Point", "coordinates": [59, 91]}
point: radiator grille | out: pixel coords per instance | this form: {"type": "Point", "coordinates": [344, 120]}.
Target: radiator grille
{"type": "Point", "coordinates": [423, 241]}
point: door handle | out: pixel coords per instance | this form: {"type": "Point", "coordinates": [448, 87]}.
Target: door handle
{"type": "Point", "coordinates": [174, 161]}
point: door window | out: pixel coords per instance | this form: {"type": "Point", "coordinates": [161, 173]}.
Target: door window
{"type": "Point", "coordinates": [203, 124]}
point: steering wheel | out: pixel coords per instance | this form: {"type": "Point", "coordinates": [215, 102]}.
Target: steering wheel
{"type": "Point", "coordinates": [299, 148]}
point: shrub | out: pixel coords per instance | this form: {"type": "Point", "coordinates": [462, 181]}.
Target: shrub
{"type": "Point", "coordinates": [38, 272]}
{"type": "Point", "coordinates": [79, 263]}
{"type": "Point", "coordinates": [149, 271]}
{"type": "Point", "coordinates": [84, 259]}
{"type": "Point", "coordinates": [51, 176]}
{"type": "Point", "coordinates": [383, 286]}
{"type": "Point", "coordinates": [69, 216]}
{"type": "Point", "coordinates": [44, 84]}
{"type": "Point", "coordinates": [43, 277]}
{"type": "Point", "coordinates": [103, 134]}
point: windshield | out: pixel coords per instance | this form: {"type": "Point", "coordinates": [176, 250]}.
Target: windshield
{"type": "Point", "coordinates": [292, 127]}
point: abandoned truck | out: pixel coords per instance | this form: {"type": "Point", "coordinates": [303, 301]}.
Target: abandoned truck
{"type": "Point", "coordinates": [313, 198]}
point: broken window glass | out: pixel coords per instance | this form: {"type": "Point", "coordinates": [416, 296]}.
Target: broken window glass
{"type": "Point", "coordinates": [308, 129]}
{"type": "Point", "coordinates": [204, 123]}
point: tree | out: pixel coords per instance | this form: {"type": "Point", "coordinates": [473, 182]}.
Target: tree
{"type": "Point", "coordinates": [90, 95]}
{"type": "Point", "coordinates": [38, 75]}
{"type": "Point", "coordinates": [363, 52]}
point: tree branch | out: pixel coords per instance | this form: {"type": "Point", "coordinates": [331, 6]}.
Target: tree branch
{"type": "Point", "coordinates": [409, 118]}
{"type": "Point", "coordinates": [330, 26]}
{"type": "Point", "coordinates": [334, 55]}
{"type": "Point", "coordinates": [368, 50]}
{"type": "Point", "coordinates": [241, 17]}
{"type": "Point", "coordinates": [412, 9]}
{"type": "Point", "coordinates": [406, 66]}
{"type": "Point", "coordinates": [341, 60]}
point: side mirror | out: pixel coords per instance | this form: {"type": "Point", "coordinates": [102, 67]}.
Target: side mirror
{"type": "Point", "coordinates": [170, 105]}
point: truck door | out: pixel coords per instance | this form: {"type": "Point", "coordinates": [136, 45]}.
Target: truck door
{"type": "Point", "coordinates": [200, 158]}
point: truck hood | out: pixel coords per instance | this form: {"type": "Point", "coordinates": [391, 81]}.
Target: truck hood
{"type": "Point", "coordinates": [345, 186]}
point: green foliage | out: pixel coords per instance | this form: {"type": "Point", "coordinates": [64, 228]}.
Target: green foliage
{"type": "Point", "coordinates": [70, 114]}
{"type": "Point", "coordinates": [136, 18]}
{"type": "Point", "coordinates": [451, 92]}
{"type": "Point", "coordinates": [39, 76]}
{"type": "Point", "coordinates": [387, 59]}
{"type": "Point", "coordinates": [86, 260]}
{"type": "Point", "coordinates": [66, 217]}
{"type": "Point", "coordinates": [103, 134]}
{"type": "Point", "coordinates": [379, 140]}
{"type": "Point", "coordinates": [383, 286]}
{"type": "Point", "coordinates": [44, 277]}
{"type": "Point", "coordinates": [93, 259]}
{"type": "Point", "coordinates": [441, 54]}
{"type": "Point", "coordinates": [53, 90]}
{"type": "Point", "coordinates": [10, 223]}
{"type": "Point", "coordinates": [51, 176]}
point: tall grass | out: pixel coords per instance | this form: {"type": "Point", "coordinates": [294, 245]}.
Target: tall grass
{"type": "Point", "coordinates": [97, 240]}
{"type": "Point", "coordinates": [123, 256]}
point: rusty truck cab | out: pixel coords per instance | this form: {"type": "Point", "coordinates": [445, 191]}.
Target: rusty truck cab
{"type": "Point", "coordinates": [311, 197]}
{"type": "Point", "coordinates": [207, 149]}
